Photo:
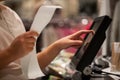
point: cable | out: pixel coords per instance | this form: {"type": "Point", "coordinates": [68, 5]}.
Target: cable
{"type": "Point", "coordinates": [99, 71]}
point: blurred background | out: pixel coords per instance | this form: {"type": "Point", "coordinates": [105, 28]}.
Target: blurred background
{"type": "Point", "coordinates": [75, 15]}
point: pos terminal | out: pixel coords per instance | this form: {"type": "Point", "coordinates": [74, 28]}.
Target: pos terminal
{"type": "Point", "coordinates": [85, 55]}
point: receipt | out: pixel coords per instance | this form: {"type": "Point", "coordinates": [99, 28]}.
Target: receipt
{"type": "Point", "coordinates": [29, 63]}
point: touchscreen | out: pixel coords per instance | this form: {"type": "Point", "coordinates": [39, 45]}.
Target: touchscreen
{"type": "Point", "coordinates": [86, 53]}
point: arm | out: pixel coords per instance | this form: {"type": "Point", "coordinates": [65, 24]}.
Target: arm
{"type": "Point", "coordinates": [47, 55]}
{"type": "Point", "coordinates": [6, 57]}
{"type": "Point", "coordinates": [20, 47]}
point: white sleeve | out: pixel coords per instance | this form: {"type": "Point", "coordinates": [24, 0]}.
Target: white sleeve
{"type": "Point", "coordinates": [5, 38]}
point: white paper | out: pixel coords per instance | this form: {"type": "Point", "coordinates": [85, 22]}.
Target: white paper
{"type": "Point", "coordinates": [30, 66]}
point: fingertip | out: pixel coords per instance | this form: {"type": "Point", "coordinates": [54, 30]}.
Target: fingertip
{"type": "Point", "coordinates": [92, 31]}
{"type": "Point", "coordinates": [34, 33]}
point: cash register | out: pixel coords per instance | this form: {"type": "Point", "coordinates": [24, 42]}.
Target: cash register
{"type": "Point", "coordinates": [81, 62]}
{"type": "Point", "coordinates": [87, 52]}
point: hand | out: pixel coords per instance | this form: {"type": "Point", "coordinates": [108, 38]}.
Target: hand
{"type": "Point", "coordinates": [74, 40]}
{"type": "Point", "coordinates": [23, 44]}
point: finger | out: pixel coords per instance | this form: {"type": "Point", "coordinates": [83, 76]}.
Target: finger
{"type": "Point", "coordinates": [86, 32]}
{"type": "Point", "coordinates": [30, 44]}
{"type": "Point", "coordinates": [78, 34]}
{"type": "Point", "coordinates": [83, 32]}
{"type": "Point", "coordinates": [30, 39]}
{"type": "Point", "coordinates": [31, 34]}
{"type": "Point", "coordinates": [79, 38]}
{"type": "Point", "coordinates": [76, 42]}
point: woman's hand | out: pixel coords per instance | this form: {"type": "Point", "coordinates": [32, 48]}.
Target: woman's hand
{"type": "Point", "coordinates": [20, 47]}
{"type": "Point", "coordinates": [23, 44]}
{"type": "Point", "coordinates": [74, 40]}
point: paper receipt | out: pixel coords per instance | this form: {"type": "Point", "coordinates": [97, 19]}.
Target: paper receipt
{"type": "Point", "coordinates": [30, 66]}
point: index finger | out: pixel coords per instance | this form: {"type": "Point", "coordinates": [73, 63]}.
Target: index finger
{"type": "Point", "coordinates": [84, 32]}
